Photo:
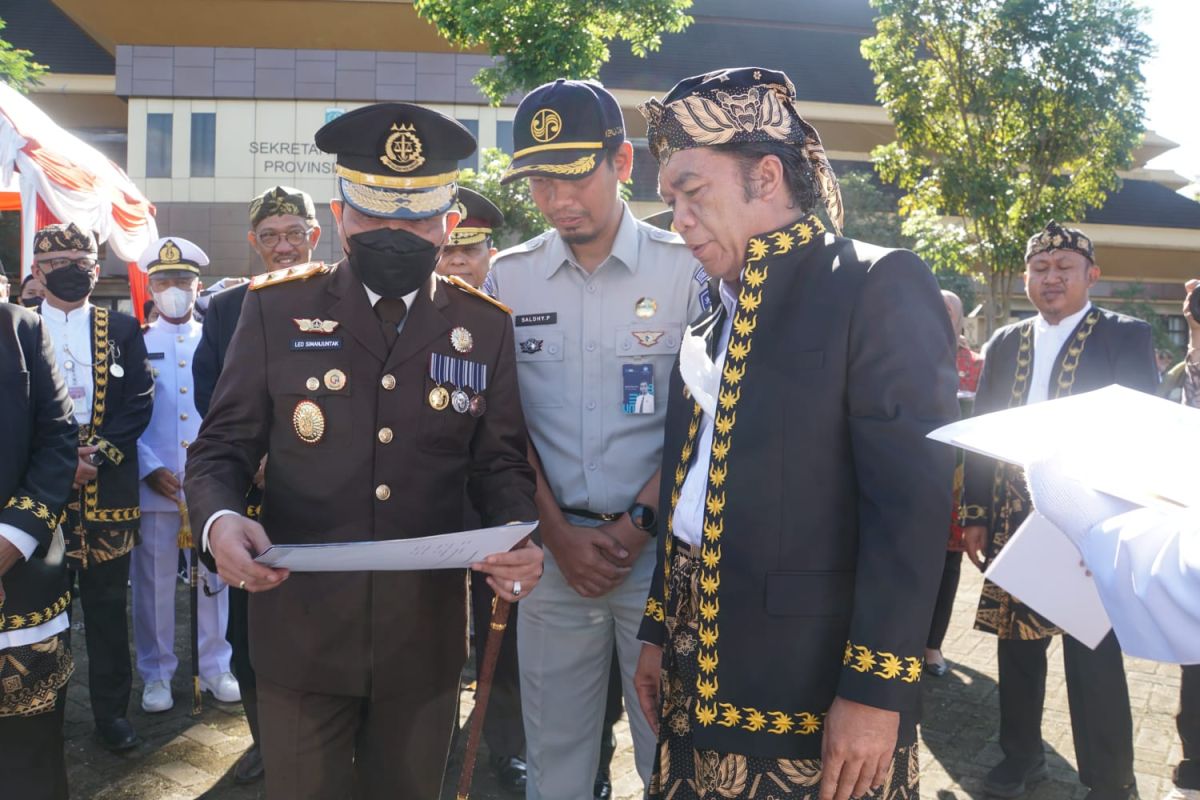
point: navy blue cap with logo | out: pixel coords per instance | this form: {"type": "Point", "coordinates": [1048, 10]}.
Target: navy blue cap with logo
{"type": "Point", "coordinates": [396, 160]}
{"type": "Point", "coordinates": [562, 129]}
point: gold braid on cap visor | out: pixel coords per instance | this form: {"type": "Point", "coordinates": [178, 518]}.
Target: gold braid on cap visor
{"type": "Point", "coordinates": [461, 236]}
{"type": "Point", "coordinates": [580, 166]}
{"type": "Point", "coordinates": [388, 201]}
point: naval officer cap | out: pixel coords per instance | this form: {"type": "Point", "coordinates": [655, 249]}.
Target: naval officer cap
{"type": "Point", "coordinates": [172, 257]}
{"type": "Point", "coordinates": [396, 160]}
{"type": "Point", "coordinates": [562, 129]}
{"type": "Point", "coordinates": [478, 217]}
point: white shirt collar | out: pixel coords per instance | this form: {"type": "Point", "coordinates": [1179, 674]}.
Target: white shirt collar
{"type": "Point", "coordinates": [1065, 326]}
{"type": "Point", "coordinates": [62, 317]}
{"type": "Point", "coordinates": [170, 327]}
{"type": "Point", "coordinates": [729, 297]}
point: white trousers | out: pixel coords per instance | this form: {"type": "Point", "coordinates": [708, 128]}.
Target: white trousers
{"type": "Point", "coordinates": [154, 573]}
{"type": "Point", "coordinates": [564, 645]}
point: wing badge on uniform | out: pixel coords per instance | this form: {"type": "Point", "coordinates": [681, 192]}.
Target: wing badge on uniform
{"type": "Point", "coordinates": [531, 346]}
{"type": "Point", "coordinates": [648, 338]}
{"type": "Point", "coordinates": [317, 325]}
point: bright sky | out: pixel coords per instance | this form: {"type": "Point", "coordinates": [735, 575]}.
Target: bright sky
{"type": "Point", "coordinates": [1173, 97]}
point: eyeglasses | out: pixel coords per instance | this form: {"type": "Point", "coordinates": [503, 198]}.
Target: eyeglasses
{"type": "Point", "coordinates": [295, 237]}
{"type": "Point", "coordinates": [87, 262]}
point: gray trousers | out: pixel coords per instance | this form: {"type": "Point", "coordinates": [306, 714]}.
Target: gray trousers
{"type": "Point", "coordinates": [564, 644]}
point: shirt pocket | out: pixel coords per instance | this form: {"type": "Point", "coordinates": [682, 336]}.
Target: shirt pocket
{"type": "Point", "coordinates": [541, 370]}
{"type": "Point", "coordinates": [313, 415]}
{"type": "Point", "coordinates": [645, 340]}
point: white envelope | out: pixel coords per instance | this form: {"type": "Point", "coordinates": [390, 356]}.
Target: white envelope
{"type": "Point", "coordinates": [444, 551]}
{"type": "Point", "coordinates": [1040, 566]}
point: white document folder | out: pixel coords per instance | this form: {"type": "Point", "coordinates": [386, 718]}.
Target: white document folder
{"type": "Point", "coordinates": [1144, 445]}
{"type": "Point", "coordinates": [444, 551]}
{"type": "Point", "coordinates": [1041, 567]}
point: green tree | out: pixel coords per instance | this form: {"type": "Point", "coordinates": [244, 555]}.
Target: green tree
{"type": "Point", "coordinates": [17, 67]}
{"type": "Point", "coordinates": [1008, 113]}
{"type": "Point", "coordinates": [541, 40]}
{"type": "Point", "coordinates": [1131, 300]}
{"type": "Point", "coordinates": [522, 220]}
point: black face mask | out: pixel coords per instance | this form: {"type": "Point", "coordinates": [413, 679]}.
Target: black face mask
{"type": "Point", "coordinates": [392, 263]}
{"type": "Point", "coordinates": [70, 284]}
{"type": "Point", "coordinates": [31, 302]}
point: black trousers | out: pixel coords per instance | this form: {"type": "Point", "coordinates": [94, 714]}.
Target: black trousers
{"type": "Point", "coordinates": [1187, 772]}
{"type": "Point", "coordinates": [238, 635]}
{"type": "Point", "coordinates": [103, 590]}
{"type": "Point", "coordinates": [1101, 722]}
{"type": "Point", "coordinates": [945, 600]}
{"type": "Point", "coordinates": [330, 747]}
{"type": "Point", "coordinates": [31, 755]}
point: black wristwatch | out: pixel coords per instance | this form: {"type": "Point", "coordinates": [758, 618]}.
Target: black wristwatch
{"type": "Point", "coordinates": [644, 518]}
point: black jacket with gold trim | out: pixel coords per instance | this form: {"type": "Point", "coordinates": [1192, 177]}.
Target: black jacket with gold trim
{"type": "Point", "coordinates": [824, 525]}
{"type": "Point", "coordinates": [38, 438]}
{"type": "Point", "coordinates": [1104, 348]}
{"type": "Point", "coordinates": [121, 408]}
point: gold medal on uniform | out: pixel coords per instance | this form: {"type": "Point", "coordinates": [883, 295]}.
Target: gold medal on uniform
{"type": "Point", "coordinates": [462, 340]}
{"type": "Point", "coordinates": [439, 398]}
{"type": "Point", "coordinates": [439, 373]}
{"type": "Point", "coordinates": [308, 421]}
{"type": "Point", "coordinates": [645, 307]}
{"type": "Point", "coordinates": [335, 380]}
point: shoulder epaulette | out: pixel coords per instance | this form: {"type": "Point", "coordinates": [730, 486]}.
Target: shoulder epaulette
{"type": "Point", "coordinates": [659, 235]}
{"type": "Point", "coordinates": [524, 247]}
{"type": "Point", "coordinates": [459, 283]}
{"type": "Point", "coordinates": [299, 272]}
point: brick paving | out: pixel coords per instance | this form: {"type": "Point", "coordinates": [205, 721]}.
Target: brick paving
{"type": "Point", "coordinates": [185, 757]}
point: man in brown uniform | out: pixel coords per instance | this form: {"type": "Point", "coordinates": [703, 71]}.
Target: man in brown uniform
{"type": "Point", "coordinates": [378, 390]}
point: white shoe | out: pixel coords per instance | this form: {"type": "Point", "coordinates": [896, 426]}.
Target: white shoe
{"type": "Point", "coordinates": [1182, 794]}
{"type": "Point", "coordinates": [224, 687]}
{"type": "Point", "coordinates": [156, 697]}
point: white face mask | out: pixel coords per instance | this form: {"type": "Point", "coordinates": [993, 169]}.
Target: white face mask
{"type": "Point", "coordinates": [175, 302]}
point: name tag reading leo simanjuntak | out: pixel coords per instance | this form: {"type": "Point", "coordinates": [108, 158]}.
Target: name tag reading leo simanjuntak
{"type": "Point", "coordinates": [444, 551]}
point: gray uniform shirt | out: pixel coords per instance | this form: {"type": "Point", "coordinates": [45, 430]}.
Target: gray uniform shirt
{"type": "Point", "coordinates": [584, 343]}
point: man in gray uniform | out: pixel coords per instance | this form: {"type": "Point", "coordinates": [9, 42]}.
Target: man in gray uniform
{"type": "Point", "coordinates": [599, 304]}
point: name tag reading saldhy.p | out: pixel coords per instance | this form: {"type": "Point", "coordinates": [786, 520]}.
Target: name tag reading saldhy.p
{"type": "Point", "coordinates": [330, 343]}
{"type": "Point", "coordinates": [544, 318]}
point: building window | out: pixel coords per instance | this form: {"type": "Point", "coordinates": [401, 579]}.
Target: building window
{"type": "Point", "coordinates": [204, 145]}
{"type": "Point", "coordinates": [158, 145]}
{"type": "Point", "coordinates": [504, 136]}
{"type": "Point", "coordinates": [1177, 329]}
{"type": "Point", "coordinates": [473, 162]}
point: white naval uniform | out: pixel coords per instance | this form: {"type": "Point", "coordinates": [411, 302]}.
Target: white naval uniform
{"type": "Point", "coordinates": [173, 426]}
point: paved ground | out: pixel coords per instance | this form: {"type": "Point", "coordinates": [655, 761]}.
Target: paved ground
{"type": "Point", "coordinates": [192, 757]}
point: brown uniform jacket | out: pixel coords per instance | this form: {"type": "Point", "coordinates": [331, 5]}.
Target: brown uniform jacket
{"type": "Point", "coordinates": [386, 466]}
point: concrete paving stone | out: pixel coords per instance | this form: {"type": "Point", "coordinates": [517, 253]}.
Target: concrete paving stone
{"type": "Point", "coordinates": [181, 773]}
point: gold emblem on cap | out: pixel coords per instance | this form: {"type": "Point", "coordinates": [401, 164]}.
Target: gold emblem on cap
{"type": "Point", "coordinates": [645, 307]}
{"type": "Point", "coordinates": [335, 380]}
{"type": "Point", "coordinates": [462, 340]}
{"type": "Point", "coordinates": [169, 253]}
{"type": "Point", "coordinates": [308, 421]}
{"type": "Point", "coordinates": [312, 384]}
{"type": "Point", "coordinates": [546, 125]}
{"type": "Point", "coordinates": [439, 398]}
{"type": "Point", "coordinates": [402, 150]}
{"type": "Point", "coordinates": [44, 245]}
